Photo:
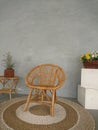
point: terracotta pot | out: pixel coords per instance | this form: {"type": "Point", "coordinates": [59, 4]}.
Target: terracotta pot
{"type": "Point", "coordinates": [91, 64]}
{"type": "Point", "coordinates": [9, 72]}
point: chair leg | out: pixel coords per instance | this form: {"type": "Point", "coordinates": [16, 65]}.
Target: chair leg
{"type": "Point", "coordinates": [55, 96]}
{"type": "Point", "coordinates": [53, 101]}
{"type": "Point", "coordinates": [10, 95]}
{"type": "Point", "coordinates": [28, 100]}
{"type": "Point", "coordinates": [42, 96]}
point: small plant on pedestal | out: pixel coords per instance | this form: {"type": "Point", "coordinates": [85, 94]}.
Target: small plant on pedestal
{"type": "Point", "coordinates": [9, 64]}
{"type": "Point", "coordinates": [90, 60]}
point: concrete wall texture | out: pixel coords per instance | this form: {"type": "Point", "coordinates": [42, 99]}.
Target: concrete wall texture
{"type": "Point", "coordinates": [48, 31]}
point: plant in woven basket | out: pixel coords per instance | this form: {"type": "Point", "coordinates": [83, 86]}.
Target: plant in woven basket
{"type": "Point", "coordinates": [9, 64]}
{"type": "Point", "coordinates": [90, 59]}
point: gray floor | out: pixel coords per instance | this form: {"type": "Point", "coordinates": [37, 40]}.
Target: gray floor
{"type": "Point", "coordinates": [4, 97]}
{"type": "Point", "coordinates": [95, 115]}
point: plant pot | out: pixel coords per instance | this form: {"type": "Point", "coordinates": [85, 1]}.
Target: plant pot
{"type": "Point", "coordinates": [91, 64]}
{"type": "Point", "coordinates": [9, 73]}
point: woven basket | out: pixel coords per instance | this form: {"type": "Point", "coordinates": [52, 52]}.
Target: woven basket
{"type": "Point", "coordinates": [91, 64]}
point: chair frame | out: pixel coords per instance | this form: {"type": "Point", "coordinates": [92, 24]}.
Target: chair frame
{"type": "Point", "coordinates": [38, 93]}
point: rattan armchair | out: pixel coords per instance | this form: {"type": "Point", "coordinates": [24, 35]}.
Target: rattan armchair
{"type": "Point", "coordinates": [40, 80]}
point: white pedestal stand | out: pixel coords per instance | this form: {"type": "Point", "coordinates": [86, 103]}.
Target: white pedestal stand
{"type": "Point", "coordinates": [88, 90]}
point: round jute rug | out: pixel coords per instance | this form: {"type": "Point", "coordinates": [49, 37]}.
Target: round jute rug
{"type": "Point", "coordinates": [68, 116]}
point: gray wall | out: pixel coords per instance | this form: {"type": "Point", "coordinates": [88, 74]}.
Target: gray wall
{"type": "Point", "coordinates": [48, 31]}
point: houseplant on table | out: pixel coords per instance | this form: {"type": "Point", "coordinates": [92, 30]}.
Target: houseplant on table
{"type": "Point", "coordinates": [9, 64]}
{"type": "Point", "coordinates": [90, 60]}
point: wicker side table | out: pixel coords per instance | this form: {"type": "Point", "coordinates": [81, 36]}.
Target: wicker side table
{"type": "Point", "coordinates": [8, 84]}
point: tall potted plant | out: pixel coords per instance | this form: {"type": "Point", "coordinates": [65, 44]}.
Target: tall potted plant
{"type": "Point", "coordinates": [9, 65]}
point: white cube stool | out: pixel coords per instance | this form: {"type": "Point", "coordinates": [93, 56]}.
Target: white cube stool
{"type": "Point", "coordinates": [88, 90]}
{"type": "Point", "coordinates": [88, 97]}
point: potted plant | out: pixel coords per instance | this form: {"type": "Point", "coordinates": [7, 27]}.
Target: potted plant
{"type": "Point", "coordinates": [90, 60]}
{"type": "Point", "coordinates": [9, 65]}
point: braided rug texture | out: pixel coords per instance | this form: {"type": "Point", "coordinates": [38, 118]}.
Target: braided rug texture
{"type": "Point", "coordinates": [77, 118]}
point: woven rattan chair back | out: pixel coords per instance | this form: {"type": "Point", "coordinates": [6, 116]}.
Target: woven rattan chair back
{"type": "Point", "coordinates": [45, 74]}
{"type": "Point", "coordinates": [42, 78]}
